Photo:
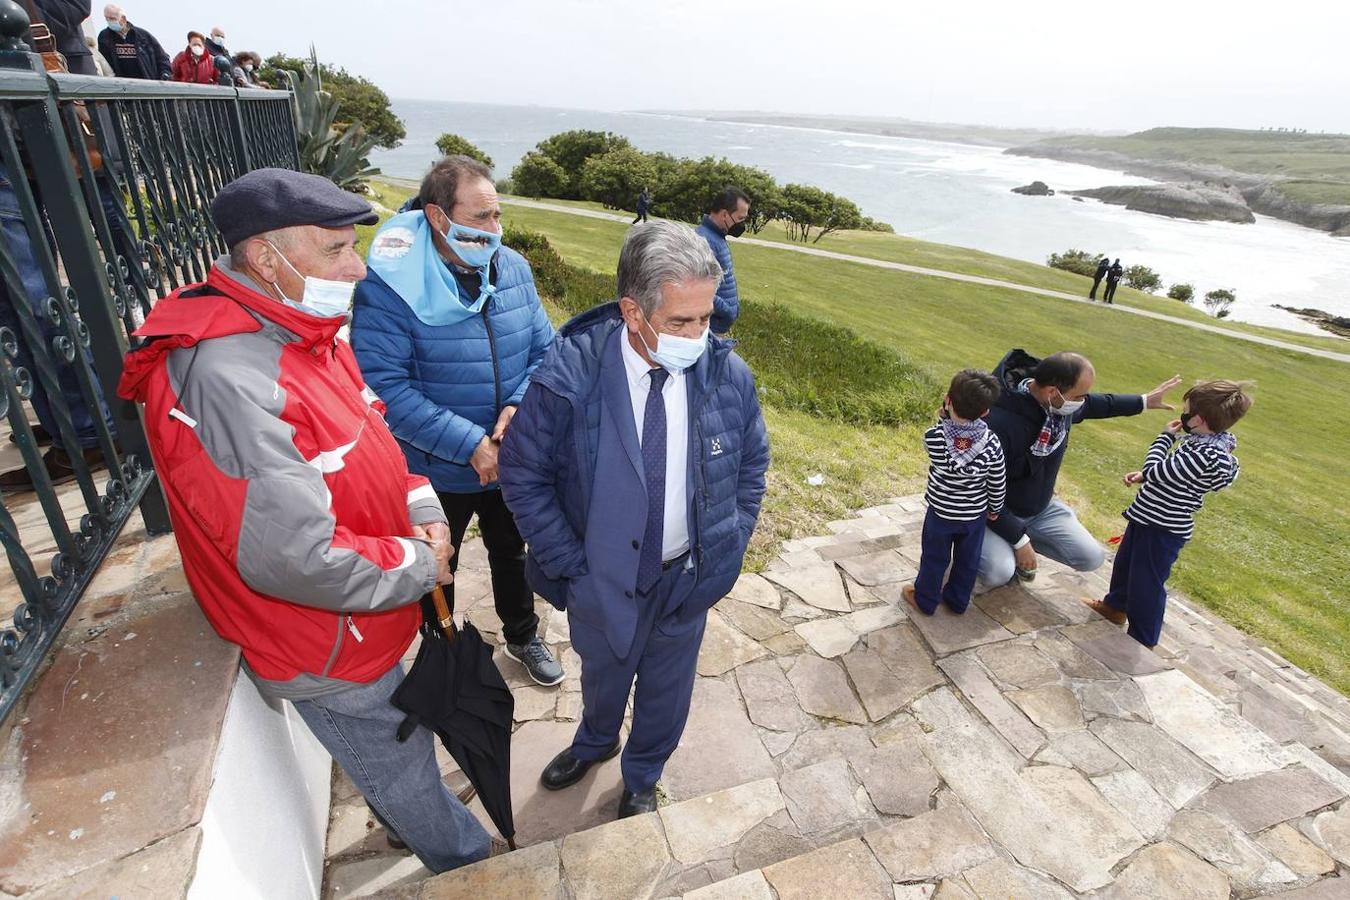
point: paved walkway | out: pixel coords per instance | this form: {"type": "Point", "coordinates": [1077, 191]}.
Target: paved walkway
{"type": "Point", "coordinates": [840, 748]}
{"type": "Point", "coordinates": [957, 276]}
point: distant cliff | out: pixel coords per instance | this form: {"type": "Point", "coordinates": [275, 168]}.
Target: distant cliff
{"type": "Point", "coordinates": [1199, 202]}
{"type": "Point", "coordinates": [1297, 181]}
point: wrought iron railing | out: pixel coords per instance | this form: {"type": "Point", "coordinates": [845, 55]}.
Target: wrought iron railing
{"type": "Point", "coordinates": [105, 189]}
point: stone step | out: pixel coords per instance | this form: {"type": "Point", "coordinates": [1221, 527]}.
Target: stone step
{"type": "Point", "coordinates": [838, 745]}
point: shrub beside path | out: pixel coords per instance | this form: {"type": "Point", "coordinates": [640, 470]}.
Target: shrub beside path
{"type": "Point", "coordinates": [838, 747]}
{"type": "Point", "coordinates": [958, 276]}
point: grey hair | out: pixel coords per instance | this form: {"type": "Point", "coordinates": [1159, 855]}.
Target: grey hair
{"type": "Point", "coordinates": [661, 253]}
{"type": "Point", "coordinates": [281, 237]}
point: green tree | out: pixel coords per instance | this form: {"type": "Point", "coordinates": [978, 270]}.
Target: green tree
{"type": "Point", "coordinates": [1219, 302]}
{"type": "Point", "coordinates": [615, 178]}
{"type": "Point", "coordinates": [571, 149]}
{"type": "Point", "coordinates": [358, 99]}
{"type": "Point", "coordinates": [453, 145]}
{"type": "Point", "coordinates": [1080, 262]}
{"type": "Point", "coordinates": [806, 208]}
{"type": "Point", "coordinates": [537, 175]}
{"type": "Point", "coordinates": [1142, 278]}
{"type": "Point", "coordinates": [1183, 292]}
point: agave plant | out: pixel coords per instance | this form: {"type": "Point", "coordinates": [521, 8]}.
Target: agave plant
{"type": "Point", "coordinates": [327, 147]}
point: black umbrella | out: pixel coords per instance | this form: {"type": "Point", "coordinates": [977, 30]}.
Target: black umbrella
{"type": "Point", "coordinates": [454, 689]}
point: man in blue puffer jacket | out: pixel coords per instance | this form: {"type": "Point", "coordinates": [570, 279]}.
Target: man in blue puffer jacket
{"type": "Point", "coordinates": [635, 469]}
{"type": "Point", "coordinates": [447, 328]}
{"type": "Point", "coordinates": [730, 210]}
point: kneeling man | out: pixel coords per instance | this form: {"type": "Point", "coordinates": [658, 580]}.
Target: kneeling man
{"type": "Point", "coordinates": [635, 470]}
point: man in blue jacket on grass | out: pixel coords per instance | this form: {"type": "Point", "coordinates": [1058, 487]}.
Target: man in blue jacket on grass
{"type": "Point", "coordinates": [730, 209]}
{"type": "Point", "coordinates": [635, 469]}
{"type": "Point", "coordinates": [447, 328]}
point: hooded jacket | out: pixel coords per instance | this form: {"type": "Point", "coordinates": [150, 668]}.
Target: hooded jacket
{"type": "Point", "coordinates": [584, 522]}
{"type": "Point", "coordinates": [291, 503]}
{"type": "Point", "coordinates": [1017, 419]}
{"type": "Point", "coordinates": [195, 69]}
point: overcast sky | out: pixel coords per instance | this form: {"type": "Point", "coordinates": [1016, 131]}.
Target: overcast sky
{"type": "Point", "coordinates": [1054, 63]}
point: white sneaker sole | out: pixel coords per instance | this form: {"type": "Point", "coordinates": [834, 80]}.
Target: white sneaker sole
{"type": "Point", "coordinates": [506, 648]}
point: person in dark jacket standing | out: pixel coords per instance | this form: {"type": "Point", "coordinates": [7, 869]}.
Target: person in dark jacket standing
{"type": "Point", "coordinates": [193, 65]}
{"type": "Point", "coordinates": [1041, 400]}
{"type": "Point", "coordinates": [635, 469]}
{"type": "Point", "coordinates": [132, 52]}
{"type": "Point", "coordinates": [644, 203]}
{"type": "Point", "coordinates": [1103, 266]}
{"type": "Point", "coordinates": [729, 211]}
{"type": "Point", "coordinates": [64, 18]}
{"type": "Point", "coordinates": [447, 328]}
{"type": "Point", "coordinates": [1113, 276]}
{"type": "Point", "coordinates": [215, 44]}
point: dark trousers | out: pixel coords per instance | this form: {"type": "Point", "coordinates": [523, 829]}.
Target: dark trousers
{"type": "Point", "coordinates": [663, 659]}
{"type": "Point", "coordinates": [1096, 282]}
{"type": "Point", "coordinates": [506, 559]}
{"type": "Point", "coordinates": [641, 217]}
{"type": "Point", "coordinates": [1139, 578]}
{"type": "Point", "coordinates": [946, 541]}
{"type": "Point", "coordinates": [1110, 294]}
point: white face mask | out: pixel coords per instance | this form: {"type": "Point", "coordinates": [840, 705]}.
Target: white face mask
{"type": "Point", "coordinates": [674, 353]}
{"type": "Point", "coordinates": [1069, 408]}
{"type": "Point", "coordinates": [198, 50]}
{"type": "Point", "coordinates": [323, 297]}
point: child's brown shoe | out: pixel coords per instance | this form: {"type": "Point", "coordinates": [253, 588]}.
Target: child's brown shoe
{"type": "Point", "coordinates": [1109, 613]}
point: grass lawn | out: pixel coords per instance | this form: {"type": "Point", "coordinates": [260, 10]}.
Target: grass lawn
{"type": "Point", "coordinates": [1271, 555]}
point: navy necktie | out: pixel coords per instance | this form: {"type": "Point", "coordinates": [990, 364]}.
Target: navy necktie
{"type": "Point", "coordinates": [654, 467]}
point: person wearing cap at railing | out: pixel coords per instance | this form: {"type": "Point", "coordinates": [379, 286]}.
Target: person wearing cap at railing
{"type": "Point", "coordinates": [303, 536]}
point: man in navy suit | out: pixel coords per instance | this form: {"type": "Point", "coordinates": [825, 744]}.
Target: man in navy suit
{"type": "Point", "coordinates": [635, 470]}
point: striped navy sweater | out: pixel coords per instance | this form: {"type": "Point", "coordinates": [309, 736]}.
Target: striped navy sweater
{"type": "Point", "coordinates": [1175, 482]}
{"type": "Point", "coordinates": [964, 493]}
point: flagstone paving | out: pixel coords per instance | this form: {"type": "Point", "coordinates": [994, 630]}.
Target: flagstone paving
{"type": "Point", "coordinates": [839, 746]}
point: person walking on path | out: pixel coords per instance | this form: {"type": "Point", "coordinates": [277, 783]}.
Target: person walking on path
{"type": "Point", "coordinates": [132, 52]}
{"type": "Point", "coordinates": [1103, 266]}
{"type": "Point", "coordinates": [193, 64]}
{"type": "Point", "coordinates": [730, 209]}
{"type": "Point", "coordinates": [447, 328]}
{"type": "Point", "coordinates": [1113, 276]}
{"type": "Point", "coordinates": [636, 468]}
{"type": "Point", "coordinates": [304, 537]}
{"type": "Point", "coordinates": [644, 203]}
{"type": "Point", "coordinates": [1041, 400]}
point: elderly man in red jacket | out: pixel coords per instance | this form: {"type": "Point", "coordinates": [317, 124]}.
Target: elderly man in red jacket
{"type": "Point", "coordinates": [303, 536]}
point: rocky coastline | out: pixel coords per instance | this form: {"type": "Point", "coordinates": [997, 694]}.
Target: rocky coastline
{"type": "Point", "coordinates": [1337, 325]}
{"type": "Point", "coordinates": [1262, 195]}
{"type": "Point", "coordinates": [1198, 202]}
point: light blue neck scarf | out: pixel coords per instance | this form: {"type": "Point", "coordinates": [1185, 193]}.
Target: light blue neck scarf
{"type": "Point", "coordinates": [404, 256]}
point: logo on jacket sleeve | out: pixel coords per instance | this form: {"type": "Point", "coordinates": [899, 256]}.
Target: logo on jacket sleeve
{"type": "Point", "coordinates": [716, 447]}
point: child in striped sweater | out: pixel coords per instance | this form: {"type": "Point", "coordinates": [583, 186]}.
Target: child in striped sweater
{"type": "Point", "coordinates": [1176, 476]}
{"type": "Point", "coordinates": [966, 486]}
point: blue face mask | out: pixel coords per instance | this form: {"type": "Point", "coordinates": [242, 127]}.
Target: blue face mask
{"type": "Point", "coordinates": [674, 353]}
{"type": "Point", "coordinates": [475, 248]}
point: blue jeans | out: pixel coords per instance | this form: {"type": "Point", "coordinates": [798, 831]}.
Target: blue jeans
{"type": "Point", "coordinates": [400, 781]}
{"type": "Point", "coordinates": [946, 541]}
{"type": "Point", "coordinates": [1139, 578]}
{"type": "Point", "coordinates": [1055, 532]}
{"type": "Point", "coordinates": [663, 659]}
{"type": "Point", "coordinates": [20, 245]}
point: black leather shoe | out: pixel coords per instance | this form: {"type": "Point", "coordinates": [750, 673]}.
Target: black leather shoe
{"type": "Point", "coordinates": [566, 770]}
{"type": "Point", "coordinates": [631, 804]}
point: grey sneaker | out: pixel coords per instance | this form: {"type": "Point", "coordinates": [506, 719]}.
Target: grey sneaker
{"type": "Point", "coordinates": [538, 661]}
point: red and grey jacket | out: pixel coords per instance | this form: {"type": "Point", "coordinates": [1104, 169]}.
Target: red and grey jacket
{"type": "Point", "coordinates": [292, 503]}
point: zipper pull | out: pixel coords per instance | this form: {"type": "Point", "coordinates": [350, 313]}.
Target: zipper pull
{"type": "Point", "coordinates": [356, 632]}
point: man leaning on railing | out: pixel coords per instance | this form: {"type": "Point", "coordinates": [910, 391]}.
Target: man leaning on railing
{"type": "Point", "coordinates": [303, 536]}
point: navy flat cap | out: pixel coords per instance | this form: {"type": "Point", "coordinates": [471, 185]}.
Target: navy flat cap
{"type": "Point", "coordinates": [268, 199]}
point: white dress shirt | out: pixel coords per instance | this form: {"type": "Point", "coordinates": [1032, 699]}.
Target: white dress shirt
{"type": "Point", "coordinates": [675, 531]}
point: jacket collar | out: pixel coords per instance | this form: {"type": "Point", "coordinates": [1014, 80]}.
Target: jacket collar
{"type": "Point", "coordinates": [310, 330]}
{"type": "Point", "coordinates": [717, 229]}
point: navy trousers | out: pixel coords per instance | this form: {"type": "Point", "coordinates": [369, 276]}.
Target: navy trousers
{"type": "Point", "coordinates": [1139, 578]}
{"type": "Point", "coordinates": [663, 659]}
{"type": "Point", "coordinates": [946, 541]}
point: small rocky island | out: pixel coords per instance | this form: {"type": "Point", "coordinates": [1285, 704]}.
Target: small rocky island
{"type": "Point", "coordinates": [1199, 202]}
{"type": "Point", "coordinates": [1337, 325]}
{"type": "Point", "coordinates": [1035, 189]}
